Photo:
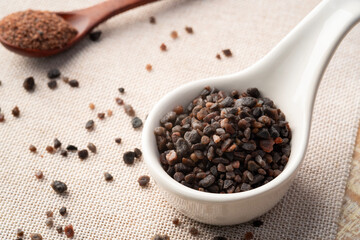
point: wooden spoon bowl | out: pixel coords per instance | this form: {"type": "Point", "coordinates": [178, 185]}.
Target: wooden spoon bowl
{"type": "Point", "coordinates": [83, 20]}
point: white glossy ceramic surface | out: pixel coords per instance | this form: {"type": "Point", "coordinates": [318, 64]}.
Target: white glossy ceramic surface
{"type": "Point", "coordinates": [296, 64]}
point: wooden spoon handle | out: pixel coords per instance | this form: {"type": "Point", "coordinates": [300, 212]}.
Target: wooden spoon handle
{"type": "Point", "coordinates": [105, 10]}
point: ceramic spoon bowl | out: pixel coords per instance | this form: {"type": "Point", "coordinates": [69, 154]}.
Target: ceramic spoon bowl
{"type": "Point", "coordinates": [289, 75]}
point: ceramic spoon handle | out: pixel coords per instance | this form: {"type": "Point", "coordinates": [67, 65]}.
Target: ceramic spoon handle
{"type": "Point", "coordinates": [303, 55]}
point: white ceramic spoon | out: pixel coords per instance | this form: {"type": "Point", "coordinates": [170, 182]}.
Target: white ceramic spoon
{"type": "Point", "coordinates": [289, 75]}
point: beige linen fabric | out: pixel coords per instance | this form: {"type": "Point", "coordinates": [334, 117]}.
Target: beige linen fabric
{"type": "Point", "coordinates": [121, 209]}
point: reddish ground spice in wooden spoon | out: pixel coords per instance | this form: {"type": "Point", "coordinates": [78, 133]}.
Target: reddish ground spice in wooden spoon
{"type": "Point", "coordinates": [40, 30]}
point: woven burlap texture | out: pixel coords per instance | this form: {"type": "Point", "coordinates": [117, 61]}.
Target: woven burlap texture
{"type": "Point", "coordinates": [121, 209]}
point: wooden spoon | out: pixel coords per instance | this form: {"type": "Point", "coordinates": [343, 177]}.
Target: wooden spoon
{"type": "Point", "coordinates": [83, 20]}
